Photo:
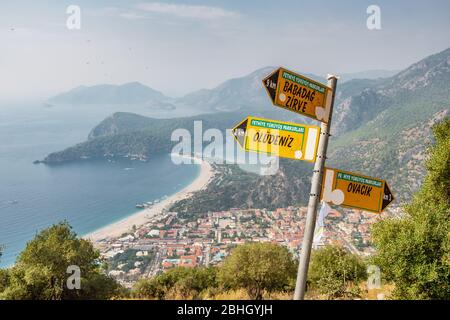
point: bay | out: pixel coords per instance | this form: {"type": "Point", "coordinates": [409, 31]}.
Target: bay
{"type": "Point", "coordinates": [88, 194]}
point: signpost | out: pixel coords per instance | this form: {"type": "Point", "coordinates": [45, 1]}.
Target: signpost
{"type": "Point", "coordinates": [282, 139]}
{"type": "Point", "coordinates": [305, 96]}
{"type": "Point", "coordinates": [314, 195]}
{"type": "Point", "coordinates": [299, 94]}
{"type": "Point", "coordinates": [355, 190]}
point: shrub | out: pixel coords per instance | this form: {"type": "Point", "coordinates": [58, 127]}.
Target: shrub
{"type": "Point", "coordinates": [258, 267]}
{"type": "Point", "coordinates": [335, 272]}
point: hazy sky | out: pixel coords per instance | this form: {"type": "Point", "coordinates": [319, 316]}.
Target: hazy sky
{"type": "Point", "coordinates": [180, 46]}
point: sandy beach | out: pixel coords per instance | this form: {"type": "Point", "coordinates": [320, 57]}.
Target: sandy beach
{"type": "Point", "coordinates": [118, 228]}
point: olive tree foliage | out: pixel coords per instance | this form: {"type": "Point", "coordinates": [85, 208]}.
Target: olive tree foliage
{"type": "Point", "coordinates": [414, 252]}
{"type": "Point", "coordinates": [4, 276]}
{"type": "Point", "coordinates": [336, 273]}
{"type": "Point", "coordinates": [177, 283]}
{"type": "Point", "coordinates": [41, 270]}
{"type": "Point", "coordinates": [258, 268]}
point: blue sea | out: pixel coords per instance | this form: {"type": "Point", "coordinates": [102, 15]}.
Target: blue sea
{"type": "Point", "coordinates": [89, 195]}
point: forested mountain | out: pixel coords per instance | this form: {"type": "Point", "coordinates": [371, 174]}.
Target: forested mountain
{"type": "Point", "coordinates": [381, 127]}
{"type": "Point", "coordinates": [385, 129]}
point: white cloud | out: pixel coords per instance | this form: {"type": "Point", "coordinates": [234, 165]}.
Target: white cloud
{"type": "Point", "coordinates": [117, 12]}
{"type": "Point", "coordinates": [131, 15]}
{"type": "Point", "coordinates": [187, 11]}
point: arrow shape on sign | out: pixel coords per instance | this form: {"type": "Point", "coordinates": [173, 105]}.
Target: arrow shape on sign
{"type": "Point", "coordinates": [299, 94]}
{"type": "Point", "coordinates": [270, 83]}
{"type": "Point", "coordinates": [279, 138]}
{"type": "Point", "coordinates": [239, 132]}
{"type": "Point", "coordinates": [355, 190]}
{"type": "Point", "coordinates": [388, 197]}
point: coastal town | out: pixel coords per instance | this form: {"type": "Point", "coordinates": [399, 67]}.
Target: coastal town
{"type": "Point", "coordinates": [168, 240]}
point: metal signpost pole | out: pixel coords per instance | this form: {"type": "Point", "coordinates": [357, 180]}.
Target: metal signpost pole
{"type": "Point", "coordinates": [316, 185]}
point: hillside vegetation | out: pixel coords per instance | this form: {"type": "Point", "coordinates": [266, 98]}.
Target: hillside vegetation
{"type": "Point", "coordinates": [414, 252]}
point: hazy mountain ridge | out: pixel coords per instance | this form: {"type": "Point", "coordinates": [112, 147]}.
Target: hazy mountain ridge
{"type": "Point", "coordinates": [128, 93]}
{"type": "Point", "coordinates": [368, 74]}
{"type": "Point", "coordinates": [237, 94]}
{"type": "Point", "coordinates": [422, 81]}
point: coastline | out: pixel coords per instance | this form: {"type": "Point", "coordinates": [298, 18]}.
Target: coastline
{"type": "Point", "coordinates": [116, 229]}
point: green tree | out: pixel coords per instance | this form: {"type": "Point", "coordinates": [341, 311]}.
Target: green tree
{"type": "Point", "coordinates": [149, 289]}
{"type": "Point", "coordinates": [4, 276]}
{"type": "Point", "coordinates": [258, 267]}
{"type": "Point", "coordinates": [4, 280]}
{"type": "Point", "coordinates": [413, 252]}
{"type": "Point", "coordinates": [179, 282]}
{"type": "Point", "coordinates": [40, 271]}
{"type": "Point", "coordinates": [335, 272]}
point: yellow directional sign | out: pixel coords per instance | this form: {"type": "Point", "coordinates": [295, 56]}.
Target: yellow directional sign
{"type": "Point", "coordinates": [355, 190]}
{"type": "Point", "coordinates": [282, 139]}
{"type": "Point", "coordinates": [299, 94]}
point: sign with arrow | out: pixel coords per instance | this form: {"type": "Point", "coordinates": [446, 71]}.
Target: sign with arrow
{"type": "Point", "coordinates": [355, 190]}
{"type": "Point", "coordinates": [299, 94]}
{"type": "Point", "coordinates": [282, 139]}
